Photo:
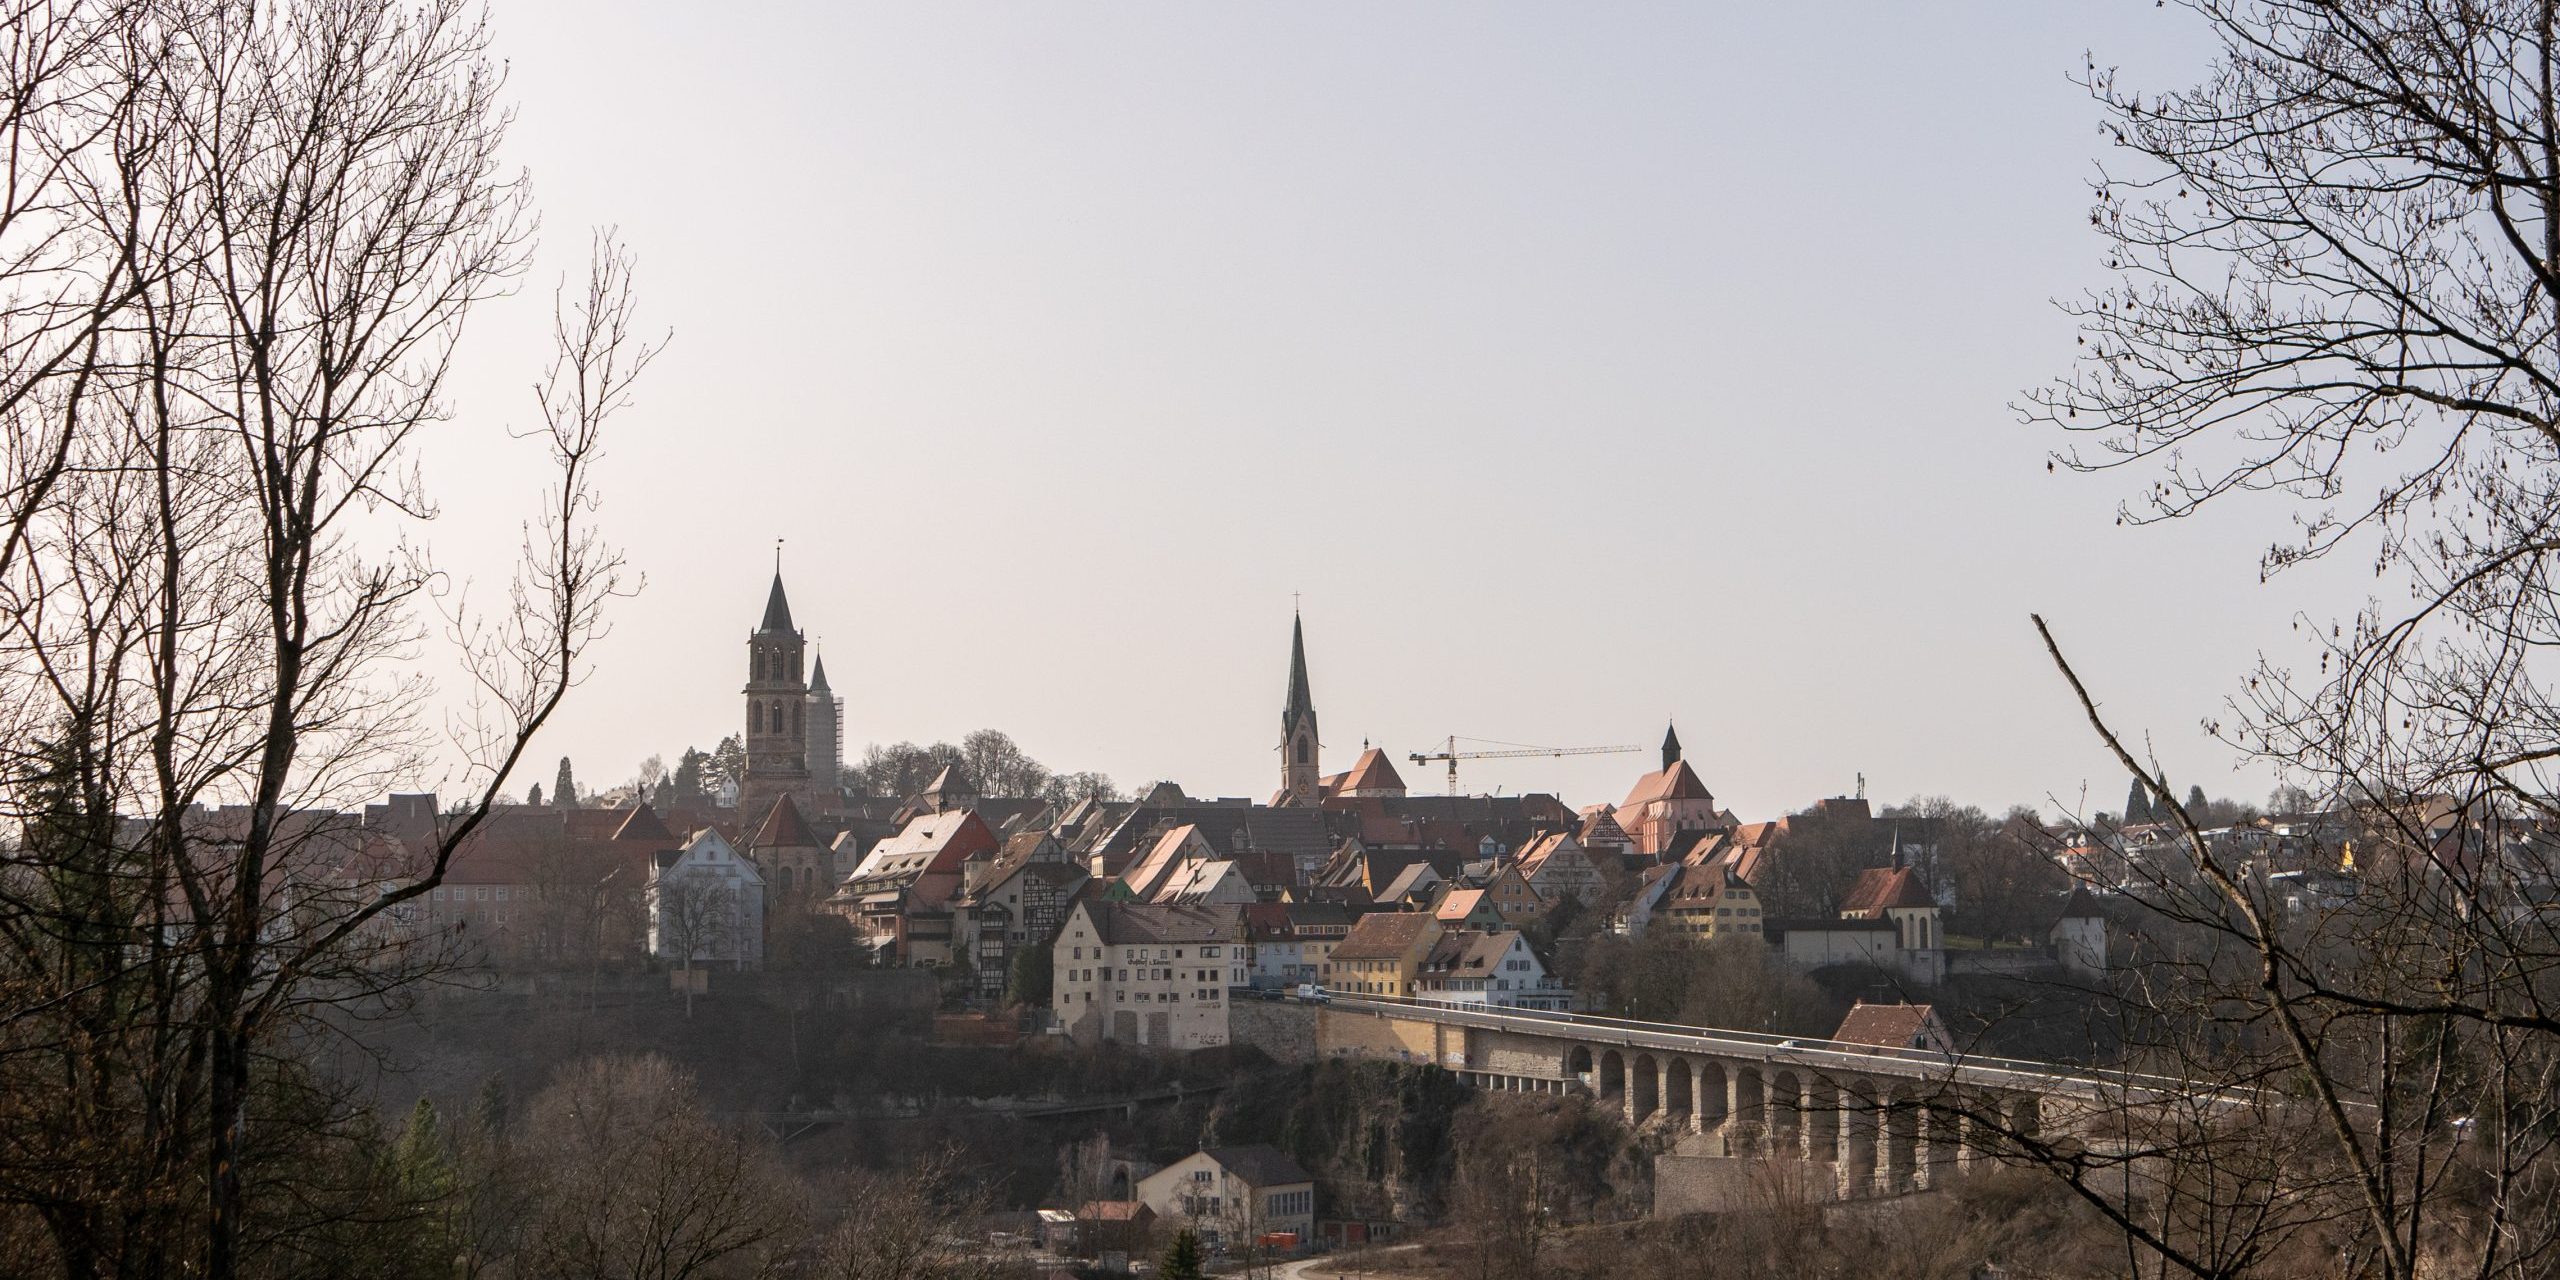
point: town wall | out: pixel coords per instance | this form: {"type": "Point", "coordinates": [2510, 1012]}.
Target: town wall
{"type": "Point", "coordinates": [1511, 1054]}
{"type": "Point", "coordinates": [1341, 1033]}
{"type": "Point", "coordinates": [2011, 962]}
{"type": "Point", "coordinates": [1286, 1030]}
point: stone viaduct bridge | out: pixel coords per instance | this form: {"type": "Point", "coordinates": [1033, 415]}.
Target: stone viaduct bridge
{"type": "Point", "coordinates": [1887, 1120]}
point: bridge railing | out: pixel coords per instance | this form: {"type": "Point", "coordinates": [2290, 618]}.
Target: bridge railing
{"type": "Point", "coordinates": [2019, 1073]}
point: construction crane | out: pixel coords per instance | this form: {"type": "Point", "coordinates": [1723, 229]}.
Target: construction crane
{"type": "Point", "coordinates": [1516, 751]}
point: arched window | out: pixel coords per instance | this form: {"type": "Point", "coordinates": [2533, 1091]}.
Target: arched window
{"type": "Point", "coordinates": [758, 665]}
{"type": "Point", "coordinates": [1302, 748]}
{"type": "Point", "coordinates": [755, 717]}
{"type": "Point", "coordinates": [795, 718]}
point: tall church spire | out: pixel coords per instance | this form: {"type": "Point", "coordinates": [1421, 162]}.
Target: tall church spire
{"type": "Point", "coordinates": [777, 702]}
{"type": "Point", "coordinates": [1299, 745]}
{"type": "Point", "coordinates": [1670, 746]}
{"type": "Point", "coordinates": [777, 607]}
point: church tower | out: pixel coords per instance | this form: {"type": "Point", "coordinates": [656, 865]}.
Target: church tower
{"type": "Point", "coordinates": [826, 731]}
{"type": "Point", "coordinates": [1299, 746]}
{"type": "Point", "coordinates": [1670, 747]}
{"type": "Point", "coordinates": [777, 704]}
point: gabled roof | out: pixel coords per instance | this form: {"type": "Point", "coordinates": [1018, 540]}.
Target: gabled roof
{"type": "Point", "coordinates": [933, 842]}
{"type": "Point", "coordinates": [1413, 879]}
{"type": "Point", "coordinates": [1675, 782]}
{"type": "Point", "coordinates": [777, 608]}
{"type": "Point", "coordinates": [1372, 772]}
{"type": "Point", "coordinates": [1890, 1026]}
{"type": "Point", "coordinates": [1545, 850]}
{"type": "Point", "coordinates": [1384, 935]}
{"type": "Point", "coordinates": [1124, 923]}
{"type": "Point", "coordinates": [1469, 954]}
{"type": "Point", "coordinates": [784, 828]}
{"type": "Point", "coordinates": [1195, 880]}
{"type": "Point", "coordinates": [1882, 889]}
{"type": "Point", "coordinates": [1602, 828]}
{"type": "Point", "coordinates": [642, 824]}
{"type": "Point", "coordinates": [1258, 1166]}
{"type": "Point", "coordinates": [1459, 904]}
{"type": "Point", "coordinates": [1151, 873]}
{"type": "Point", "coordinates": [2080, 906]}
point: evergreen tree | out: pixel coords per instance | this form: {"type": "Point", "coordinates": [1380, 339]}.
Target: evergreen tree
{"type": "Point", "coordinates": [2137, 804]}
{"type": "Point", "coordinates": [728, 763]}
{"type": "Point", "coordinates": [533, 795]}
{"type": "Point", "coordinates": [564, 789]}
{"type": "Point", "coordinates": [2196, 803]}
{"type": "Point", "coordinates": [1182, 1258]}
{"type": "Point", "coordinates": [689, 781]}
{"type": "Point", "coordinates": [1030, 979]}
{"type": "Point", "coordinates": [425, 1176]}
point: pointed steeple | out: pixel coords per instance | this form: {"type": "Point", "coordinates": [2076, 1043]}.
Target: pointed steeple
{"type": "Point", "coordinates": [777, 607]}
{"type": "Point", "coordinates": [1301, 702]}
{"type": "Point", "coordinates": [1300, 773]}
{"type": "Point", "coordinates": [1670, 746]}
{"type": "Point", "coordinates": [818, 675]}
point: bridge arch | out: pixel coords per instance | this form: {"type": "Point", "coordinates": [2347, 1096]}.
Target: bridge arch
{"type": "Point", "coordinates": [1786, 1120]}
{"type": "Point", "coordinates": [1858, 1119]}
{"type": "Point", "coordinates": [1900, 1132]}
{"type": "Point", "coordinates": [2025, 1115]}
{"type": "Point", "coordinates": [1750, 1109]}
{"type": "Point", "coordinates": [1644, 1089]}
{"type": "Point", "coordinates": [1822, 1120]}
{"type": "Point", "coordinates": [1679, 1099]}
{"type": "Point", "coordinates": [1613, 1076]}
{"type": "Point", "coordinates": [1711, 1094]}
{"type": "Point", "coordinates": [1944, 1131]}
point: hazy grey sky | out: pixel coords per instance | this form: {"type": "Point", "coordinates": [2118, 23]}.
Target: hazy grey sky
{"type": "Point", "coordinates": [1582, 366]}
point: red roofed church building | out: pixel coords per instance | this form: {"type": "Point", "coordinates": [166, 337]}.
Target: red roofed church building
{"type": "Point", "coordinates": [1668, 802]}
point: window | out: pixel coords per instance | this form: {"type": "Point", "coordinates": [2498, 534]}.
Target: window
{"type": "Point", "coordinates": [502, 893]}
{"type": "Point", "coordinates": [1208, 953]}
{"type": "Point", "coordinates": [755, 717]}
{"type": "Point", "coordinates": [484, 896]}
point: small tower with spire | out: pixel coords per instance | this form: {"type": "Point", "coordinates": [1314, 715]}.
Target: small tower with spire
{"type": "Point", "coordinates": [826, 731]}
{"type": "Point", "coordinates": [1670, 746]}
{"type": "Point", "coordinates": [1299, 745]}
{"type": "Point", "coordinates": [777, 701]}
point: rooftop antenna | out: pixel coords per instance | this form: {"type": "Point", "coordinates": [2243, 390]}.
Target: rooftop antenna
{"type": "Point", "coordinates": [1862, 786]}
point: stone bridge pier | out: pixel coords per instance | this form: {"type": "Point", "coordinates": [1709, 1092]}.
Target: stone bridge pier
{"type": "Point", "coordinates": [1879, 1134]}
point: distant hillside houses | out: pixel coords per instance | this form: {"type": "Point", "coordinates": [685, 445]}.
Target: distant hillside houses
{"type": "Point", "coordinates": [1140, 921]}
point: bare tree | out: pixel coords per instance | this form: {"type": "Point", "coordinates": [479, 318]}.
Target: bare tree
{"type": "Point", "coordinates": [696, 918]}
{"type": "Point", "coordinates": [632, 1181]}
{"type": "Point", "coordinates": [910, 1225]}
{"type": "Point", "coordinates": [242, 242]}
{"type": "Point", "coordinates": [2339, 284]}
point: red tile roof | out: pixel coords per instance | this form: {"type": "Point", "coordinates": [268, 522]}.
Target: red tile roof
{"type": "Point", "coordinates": [1679, 782]}
{"type": "Point", "coordinates": [1459, 904]}
{"type": "Point", "coordinates": [1384, 935]}
{"type": "Point", "coordinates": [1372, 772]}
{"type": "Point", "coordinates": [784, 828]}
{"type": "Point", "coordinates": [1890, 1026]}
{"type": "Point", "coordinates": [1880, 889]}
